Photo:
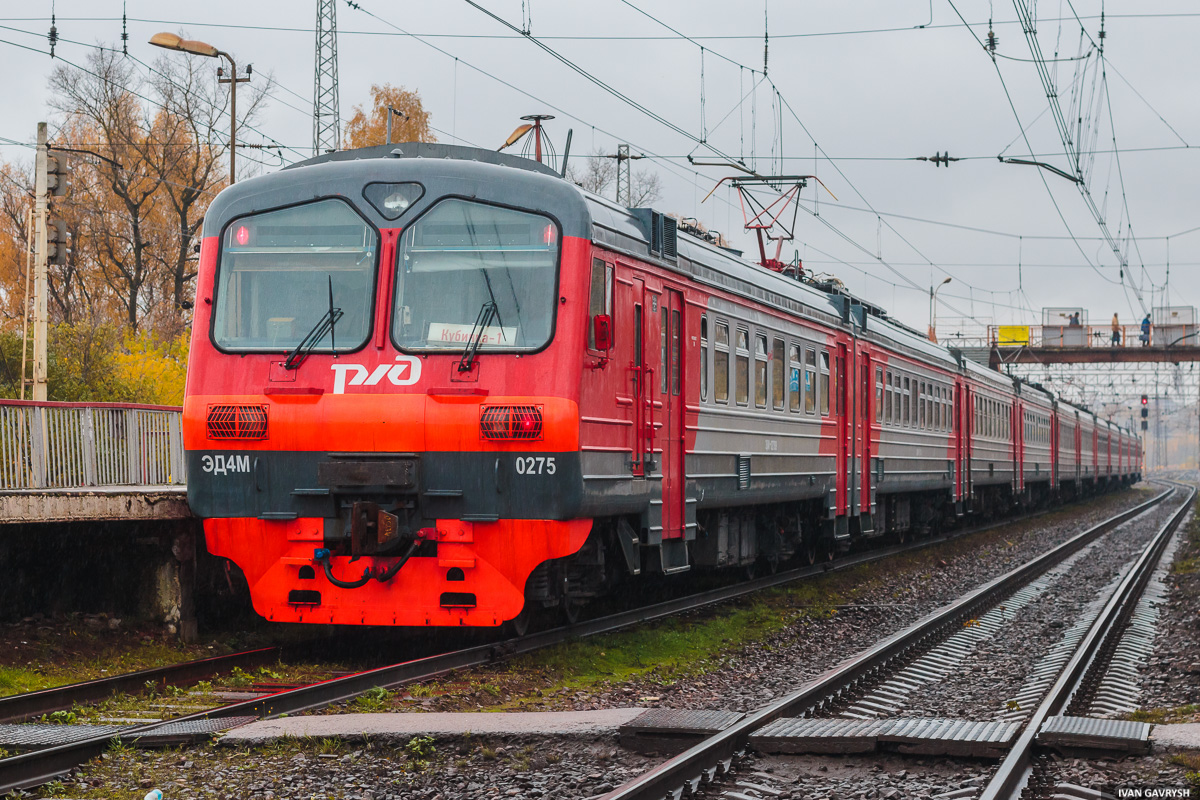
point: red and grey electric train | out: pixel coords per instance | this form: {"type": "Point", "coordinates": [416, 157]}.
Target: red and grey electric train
{"type": "Point", "coordinates": [435, 385]}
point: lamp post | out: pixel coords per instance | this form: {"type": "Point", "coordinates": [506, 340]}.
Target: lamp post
{"type": "Point", "coordinates": [933, 309]}
{"type": "Point", "coordinates": [170, 41]}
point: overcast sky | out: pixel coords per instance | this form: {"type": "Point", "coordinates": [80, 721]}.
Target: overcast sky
{"type": "Point", "coordinates": [916, 84]}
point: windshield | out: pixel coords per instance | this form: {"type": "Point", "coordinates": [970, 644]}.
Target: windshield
{"type": "Point", "coordinates": [462, 257]}
{"type": "Point", "coordinates": [276, 274]}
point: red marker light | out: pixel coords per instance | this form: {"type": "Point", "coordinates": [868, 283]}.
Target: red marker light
{"type": "Point", "coordinates": [550, 235]}
{"type": "Point", "coordinates": [243, 235]}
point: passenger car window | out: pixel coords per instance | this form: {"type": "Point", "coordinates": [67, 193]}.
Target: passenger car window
{"type": "Point", "coordinates": [778, 385]}
{"type": "Point", "coordinates": [760, 371]}
{"type": "Point", "coordinates": [721, 363]}
{"type": "Point", "coordinates": [810, 381]}
{"type": "Point", "coordinates": [794, 380]}
{"type": "Point", "coordinates": [742, 368]}
{"type": "Point", "coordinates": [825, 380]}
{"type": "Point", "coordinates": [879, 394]}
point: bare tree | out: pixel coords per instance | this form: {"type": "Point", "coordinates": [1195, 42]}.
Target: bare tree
{"type": "Point", "coordinates": [645, 188]}
{"type": "Point", "coordinates": [151, 158]}
{"type": "Point", "coordinates": [188, 148]}
{"type": "Point", "coordinates": [599, 173]}
{"type": "Point", "coordinates": [596, 174]}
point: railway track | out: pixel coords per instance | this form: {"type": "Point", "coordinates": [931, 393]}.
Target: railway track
{"type": "Point", "coordinates": [844, 685]}
{"type": "Point", "coordinates": [46, 763]}
{"type": "Point", "coordinates": [1021, 769]}
{"type": "Point", "coordinates": [32, 705]}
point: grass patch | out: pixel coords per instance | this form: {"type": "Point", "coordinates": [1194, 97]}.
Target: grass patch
{"type": "Point", "coordinates": [681, 647]}
{"type": "Point", "coordinates": [376, 699]}
{"type": "Point", "coordinates": [17, 680]}
{"type": "Point", "coordinates": [80, 655]}
{"type": "Point", "coordinates": [1190, 762]}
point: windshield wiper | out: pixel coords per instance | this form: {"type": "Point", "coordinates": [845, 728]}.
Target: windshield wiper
{"type": "Point", "coordinates": [326, 324]}
{"type": "Point", "coordinates": [487, 312]}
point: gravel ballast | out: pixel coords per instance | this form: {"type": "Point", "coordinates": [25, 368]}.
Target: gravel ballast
{"type": "Point", "coordinates": [891, 596]}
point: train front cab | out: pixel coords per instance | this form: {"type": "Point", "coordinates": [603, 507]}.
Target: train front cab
{"type": "Point", "coordinates": [381, 414]}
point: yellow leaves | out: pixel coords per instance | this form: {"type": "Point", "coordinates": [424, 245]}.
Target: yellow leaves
{"type": "Point", "coordinates": [153, 370]}
{"type": "Point", "coordinates": [101, 363]}
{"type": "Point", "coordinates": [971, 623]}
{"type": "Point", "coordinates": [368, 128]}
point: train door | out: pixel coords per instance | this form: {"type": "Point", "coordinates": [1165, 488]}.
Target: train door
{"type": "Point", "coordinates": [670, 385]}
{"type": "Point", "coordinates": [865, 415]}
{"type": "Point", "coordinates": [643, 433]}
{"type": "Point", "coordinates": [1018, 444]}
{"type": "Point", "coordinates": [1079, 447]}
{"type": "Point", "coordinates": [844, 433]}
{"type": "Point", "coordinates": [1054, 448]}
{"type": "Point", "coordinates": [962, 442]}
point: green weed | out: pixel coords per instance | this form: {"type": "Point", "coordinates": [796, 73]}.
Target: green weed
{"type": "Point", "coordinates": [373, 700]}
{"type": "Point", "coordinates": [420, 751]}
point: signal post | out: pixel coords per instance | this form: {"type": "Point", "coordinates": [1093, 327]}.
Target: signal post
{"type": "Point", "coordinates": [50, 246]}
{"type": "Point", "coordinates": [41, 266]}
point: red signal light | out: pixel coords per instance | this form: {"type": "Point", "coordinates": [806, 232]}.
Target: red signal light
{"type": "Point", "coordinates": [242, 236]}
{"type": "Point", "coordinates": [1145, 400]}
{"type": "Point", "coordinates": [550, 235]}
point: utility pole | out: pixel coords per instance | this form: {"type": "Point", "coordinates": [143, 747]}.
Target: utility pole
{"type": "Point", "coordinates": [233, 80]}
{"type": "Point", "coordinates": [624, 176]}
{"type": "Point", "coordinates": [41, 267]}
{"type": "Point", "coordinates": [326, 120]}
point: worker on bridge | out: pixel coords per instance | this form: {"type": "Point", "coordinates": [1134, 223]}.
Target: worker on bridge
{"type": "Point", "coordinates": [1145, 337]}
{"type": "Point", "coordinates": [1116, 331]}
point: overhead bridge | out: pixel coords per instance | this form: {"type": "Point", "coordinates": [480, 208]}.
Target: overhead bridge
{"type": "Point", "coordinates": [1081, 344]}
{"type": "Point", "coordinates": [71, 462]}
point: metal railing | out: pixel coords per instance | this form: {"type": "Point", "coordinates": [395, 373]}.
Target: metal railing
{"type": "Point", "coordinates": [76, 445]}
{"type": "Point", "coordinates": [1093, 336]}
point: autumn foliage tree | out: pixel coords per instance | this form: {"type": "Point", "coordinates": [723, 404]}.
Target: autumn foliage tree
{"type": "Point", "coordinates": [146, 156]}
{"type": "Point", "coordinates": [368, 127]}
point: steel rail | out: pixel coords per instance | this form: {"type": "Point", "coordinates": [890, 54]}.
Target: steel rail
{"type": "Point", "coordinates": [30, 705]}
{"type": "Point", "coordinates": [40, 766]}
{"type": "Point", "coordinates": [688, 768]}
{"type": "Point", "coordinates": [1015, 771]}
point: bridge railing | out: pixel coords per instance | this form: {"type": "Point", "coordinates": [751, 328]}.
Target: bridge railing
{"type": "Point", "coordinates": [1075, 336]}
{"type": "Point", "coordinates": [77, 445]}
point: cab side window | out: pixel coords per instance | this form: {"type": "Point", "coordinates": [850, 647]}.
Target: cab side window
{"type": "Point", "coordinates": [600, 301]}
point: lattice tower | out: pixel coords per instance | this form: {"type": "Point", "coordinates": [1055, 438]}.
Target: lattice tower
{"type": "Point", "coordinates": [326, 122]}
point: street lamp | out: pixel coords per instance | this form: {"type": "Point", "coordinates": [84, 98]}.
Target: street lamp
{"type": "Point", "coordinates": [170, 41]}
{"type": "Point", "coordinates": [933, 309]}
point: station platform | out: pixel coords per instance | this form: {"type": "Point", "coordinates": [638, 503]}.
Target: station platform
{"type": "Point", "coordinates": [402, 725]}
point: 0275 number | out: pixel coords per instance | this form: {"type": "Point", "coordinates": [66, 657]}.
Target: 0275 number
{"type": "Point", "coordinates": [536, 465]}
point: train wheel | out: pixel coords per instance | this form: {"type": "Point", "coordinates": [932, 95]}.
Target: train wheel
{"type": "Point", "coordinates": [811, 549]}
{"type": "Point", "coordinates": [828, 551]}
{"type": "Point", "coordinates": [519, 625]}
{"type": "Point", "coordinates": [572, 610]}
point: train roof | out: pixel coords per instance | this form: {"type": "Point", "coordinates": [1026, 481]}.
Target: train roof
{"type": "Point", "coordinates": [512, 180]}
